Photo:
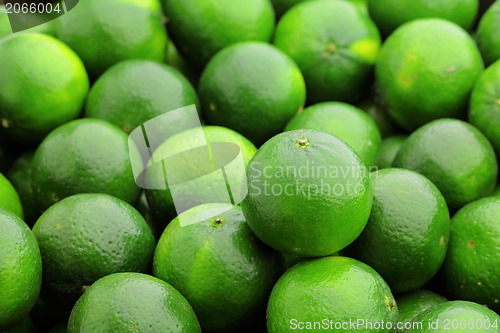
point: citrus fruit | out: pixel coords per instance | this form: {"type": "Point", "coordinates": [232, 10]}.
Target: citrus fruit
{"type": "Point", "coordinates": [421, 75]}
{"type": "Point", "coordinates": [9, 199]}
{"type": "Point", "coordinates": [384, 122]}
{"type": "Point", "coordinates": [309, 194]}
{"type": "Point", "coordinates": [457, 316]}
{"type": "Point", "coordinates": [24, 326]}
{"type": "Point", "coordinates": [219, 266]}
{"type": "Point", "coordinates": [410, 216]}
{"type": "Point", "coordinates": [336, 65]}
{"type": "Point", "coordinates": [43, 84]}
{"type": "Point", "coordinates": [104, 32]}
{"type": "Point", "coordinates": [496, 191]}
{"type": "Point", "coordinates": [135, 91]}
{"type": "Point", "coordinates": [390, 14]}
{"type": "Point", "coordinates": [455, 156]}
{"type": "Point", "coordinates": [206, 184]}
{"type": "Point", "coordinates": [484, 110]}
{"type": "Point", "coordinates": [87, 236]}
{"type": "Point", "coordinates": [344, 121]}
{"type": "Point", "coordinates": [471, 270]}
{"type": "Point", "coordinates": [132, 302]}
{"type": "Point", "coordinates": [73, 159]}
{"type": "Point", "coordinates": [412, 304]}
{"type": "Point", "coordinates": [488, 34]}
{"type": "Point", "coordinates": [20, 269]}
{"type": "Point", "coordinates": [174, 58]}
{"type": "Point", "coordinates": [20, 175]}
{"type": "Point", "coordinates": [201, 28]}
{"type": "Point", "coordinates": [332, 291]}
{"type": "Point", "coordinates": [388, 150]}
{"type": "Point", "coordinates": [252, 88]}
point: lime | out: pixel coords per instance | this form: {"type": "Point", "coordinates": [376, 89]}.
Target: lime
{"type": "Point", "coordinates": [73, 159]}
{"type": "Point", "coordinates": [347, 122]}
{"type": "Point", "coordinates": [471, 270]}
{"type": "Point", "coordinates": [104, 32]}
{"type": "Point", "coordinates": [421, 75]}
{"type": "Point", "coordinates": [219, 266]}
{"type": "Point", "coordinates": [206, 185]}
{"type": "Point", "coordinates": [457, 316]}
{"type": "Point", "coordinates": [87, 236]}
{"type": "Point", "coordinates": [488, 34]}
{"type": "Point", "coordinates": [412, 304]}
{"type": "Point", "coordinates": [174, 58]}
{"type": "Point", "coordinates": [20, 269]}
{"type": "Point", "coordinates": [9, 199]}
{"type": "Point", "coordinates": [388, 150]}
{"type": "Point", "coordinates": [410, 216]}
{"type": "Point", "coordinates": [455, 156]}
{"type": "Point", "coordinates": [20, 175]}
{"type": "Point", "coordinates": [384, 122]}
{"type": "Point", "coordinates": [43, 84]}
{"type": "Point", "coordinates": [496, 192]}
{"type": "Point", "coordinates": [390, 14]}
{"type": "Point", "coordinates": [484, 111]}
{"type": "Point", "coordinates": [132, 302]}
{"type": "Point", "coordinates": [331, 291]}
{"type": "Point", "coordinates": [24, 326]}
{"type": "Point", "coordinates": [309, 194]}
{"type": "Point", "coordinates": [253, 88]}
{"type": "Point", "coordinates": [201, 28]}
{"type": "Point", "coordinates": [135, 91]}
{"type": "Point", "coordinates": [335, 46]}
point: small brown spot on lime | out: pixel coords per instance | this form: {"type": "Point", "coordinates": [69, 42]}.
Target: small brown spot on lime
{"type": "Point", "coordinates": [299, 111]}
{"type": "Point", "coordinates": [212, 107]}
{"type": "Point", "coordinates": [5, 123]}
{"type": "Point", "coordinates": [451, 69]}
{"type": "Point", "coordinates": [55, 198]}
{"type": "Point", "coordinates": [441, 240]}
{"type": "Point", "coordinates": [472, 244]}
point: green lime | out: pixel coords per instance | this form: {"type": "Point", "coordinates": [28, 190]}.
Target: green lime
{"type": "Point", "coordinates": [347, 122]}
{"type": "Point", "coordinates": [9, 198]}
{"type": "Point", "coordinates": [409, 216]}
{"type": "Point", "coordinates": [455, 156]}
{"type": "Point", "coordinates": [335, 46]}
{"type": "Point", "coordinates": [219, 265]}
{"type": "Point", "coordinates": [388, 150]}
{"type": "Point", "coordinates": [421, 75]}
{"type": "Point", "coordinates": [457, 316]}
{"type": "Point", "coordinates": [253, 88]}
{"type": "Point", "coordinates": [390, 14]}
{"type": "Point", "coordinates": [281, 6]}
{"type": "Point", "coordinates": [74, 159]}
{"type": "Point", "coordinates": [132, 302]}
{"type": "Point", "coordinates": [20, 175]}
{"type": "Point", "coordinates": [384, 122]}
{"type": "Point", "coordinates": [412, 304]}
{"type": "Point", "coordinates": [471, 270]}
{"type": "Point", "coordinates": [174, 58]}
{"type": "Point", "coordinates": [484, 111]}
{"type": "Point", "coordinates": [43, 84]}
{"type": "Point", "coordinates": [201, 28]}
{"type": "Point", "coordinates": [87, 236]}
{"type": "Point", "coordinates": [332, 291]}
{"type": "Point", "coordinates": [496, 192]}
{"type": "Point", "coordinates": [25, 326]}
{"type": "Point", "coordinates": [309, 194]}
{"type": "Point", "coordinates": [105, 32]}
{"type": "Point", "coordinates": [488, 34]}
{"type": "Point", "coordinates": [135, 91]}
{"type": "Point", "coordinates": [206, 184]}
{"type": "Point", "coordinates": [20, 269]}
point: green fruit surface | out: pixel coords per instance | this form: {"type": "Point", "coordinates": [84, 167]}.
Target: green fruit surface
{"type": "Point", "coordinates": [412, 304]}
{"type": "Point", "coordinates": [135, 91]}
{"type": "Point", "coordinates": [348, 123]}
{"type": "Point", "coordinates": [43, 84]}
{"type": "Point", "coordinates": [20, 175]}
{"type": "Point", "coordinates": [219, 266]}
{"type": "Point", "coordinates": [335, 46]}
{"type": "Point", "coordinates": [336, 288]}
{"type": "Point", "coordinates": [87, 236]}
{"type": "Point", "coordinates": [421, 75]}
{"type": "Point", "coordinates": [388, 150]}
{"type": "Point", "coordinates": [471, 270]}
{"type": "Point", "coordinates": [20, 269]}
{"type": "Point", "coordinates": [83, 156]}
{"type": "Point", "coordinates": [488, 34]}
{"type": "Point", "coordinates": [9, 198]}
{"type": "Point", "coordinates": [385, 124]}
{"type": "Point", "coordinates": [307, 200]}
{"type": "Point", "coordinates": [201, 28]}
{"type": "Point", "coordinates": [252, 88]}
{"type": "Point", "coordinates": [132, 302]}
{"type": "Point", "coordinates": [455, 156]}
{"type": "Point", "coordinates": [410, 216]}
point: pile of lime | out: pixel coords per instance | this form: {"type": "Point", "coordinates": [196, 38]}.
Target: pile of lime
{"type": "Point", "coordinates": [257, 166]}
